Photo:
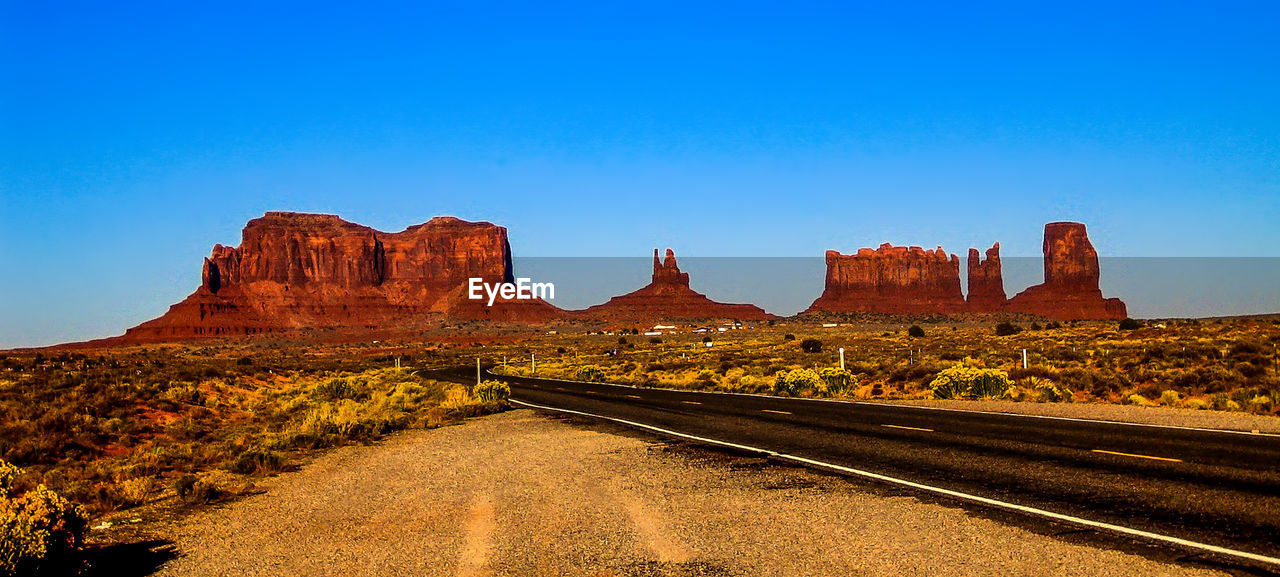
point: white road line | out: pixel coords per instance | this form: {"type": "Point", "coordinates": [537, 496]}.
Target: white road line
{"type": "Point", "coordinates": [908, 428]}
{"type": "Point", "coordinates": [938, 490]}
{"type": "Point", "coordinates": [632, 396]}
{"type": "Point", "coordinates": [1137, 456]}
{"type": "Point", "coordinates": [691, 402]}
{"type": "Point", "coordinates": [924, 407]}
{"type": "Point", "coordinates": [774, 412]}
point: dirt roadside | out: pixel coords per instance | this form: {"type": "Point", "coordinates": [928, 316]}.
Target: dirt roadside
{"type": "Point", "coordinates": [522, 494]}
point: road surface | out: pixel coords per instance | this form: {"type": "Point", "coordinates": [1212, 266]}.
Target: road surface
{"type": "Point", "coordinates": [1212, 489]}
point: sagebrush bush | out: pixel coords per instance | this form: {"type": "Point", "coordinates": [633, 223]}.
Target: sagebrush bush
{"type": "Point", "coordinates": [811, 346]}
{"type": "Point", "coordinates": [492, 392]}
{"type": "Point", "coordinates": [38, 528]}
{"type": "Point", "coordinates": [796, 382]}
{"type": "Point", "coordinates": [960, 381]}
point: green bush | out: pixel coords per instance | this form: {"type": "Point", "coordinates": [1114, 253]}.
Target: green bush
{"type": "Point", "coordinates": [915, 331]}
{"type": "Point", "coordinates": [1130, 325]}
{"type": "Point", "coordinates": [796, 382]}
{"type": "Point", "coordinates": [38, 528]}
{"type": "Point", "coordinates": [959, 381]}
{"type": "Point", "coordinates": [1007, 328]}
{"type": "Point", "coordinates": [492, 392]}
{"type": "Point", "coordinates": [836, 380]}
{"type": "Point", "coordinates": [589, 373]}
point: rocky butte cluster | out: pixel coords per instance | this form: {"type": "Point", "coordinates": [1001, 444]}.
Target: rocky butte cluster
{"type": "Point", "coordinates": [296, 270]}
{"type": "Point", "coordinates": [910, 280]}
{"type": "Point", "coordinates": [668, 297]}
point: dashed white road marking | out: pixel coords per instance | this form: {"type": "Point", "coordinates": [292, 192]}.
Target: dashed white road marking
{"type": "Point", "coordinates": [691, 402]}
{"type": "Point", "coordinates": [1168, 539]}
{"type": "Point", "coordinates": [632, 396]}
{"type": "Point", "coordinates": [775, 412]}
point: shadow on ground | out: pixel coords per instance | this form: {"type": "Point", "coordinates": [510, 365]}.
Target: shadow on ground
{"type": "Point", "coordinates": [128, 559]}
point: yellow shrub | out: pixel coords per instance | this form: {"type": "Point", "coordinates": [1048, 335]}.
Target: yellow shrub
{"type": "Point", "coordinates": [36, 528]}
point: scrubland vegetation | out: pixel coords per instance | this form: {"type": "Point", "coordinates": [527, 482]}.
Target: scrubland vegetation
{"type": "Point", "coordinates": [151, 428]}
{"type": "Point", "coordinates": [1226, 364]}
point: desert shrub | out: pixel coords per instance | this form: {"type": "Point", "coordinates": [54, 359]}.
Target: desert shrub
{"type": "Point", "coordinates": [38, 528]}
{"type": "Point", "coordinates": [1139, 400]}
{"type": "Point", "coordinates": [655, 340]}
{"type": "Point", "coordinates": [589, 373]}
{"type": "Point", "coordinates": [1047, 391]}
{"type": "Point", "coordinates": [959, 381]}
{"type": "Point", "coordinates": [788, 337]}
{"type": "Point", "coordinates": [1130, 324]}
{"type": "Point", "coordinates": [1196, 404]}
{"type": "Point", "coordinates": [1170, 398]}
{"type": "Point", "coordinates": [811, 346]}
{"type": "Point", "coordinates": [622, 340]}
{"type": "Point", "coordinates": [1007, 328]}
{"type": "Point", "coordinates": [836, 380]}
{"type": "Point", "coordinates": [915, 331]}
{"type": "Point", "coordinates": [1260, 404]}
{"type": "Point", "coordinates": [796, 382]}
{"type": "Point", "coordinates": [256, 461]}
{"type": "Point", "coordinates": [336, 388]}
{"type": "Point", "coordinates": [1035, 326]}
{"type": "Point", "coordinates": [193, 490]}
{"type": "Point", "coordinates": [492, 392]}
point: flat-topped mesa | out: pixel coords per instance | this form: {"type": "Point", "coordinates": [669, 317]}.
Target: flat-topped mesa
{"type": "Point", "coordinates": [295, 270]}
{"type": "Point", "coordinates": [669, 298]}
{"type": "Point", "coordinates": [892, 280]}
{"type": "Point", "coordinates": [986, 283]}
{"type": "Point", "coordinates": [1070, 290]}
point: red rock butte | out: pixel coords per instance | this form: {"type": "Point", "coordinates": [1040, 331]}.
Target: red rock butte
{"type": "Point", "coordinates": [910, 280]}
{"type": "Point", "coordinates": [668, 297]}
{"type": "Point", "coordinates": [296, 270]}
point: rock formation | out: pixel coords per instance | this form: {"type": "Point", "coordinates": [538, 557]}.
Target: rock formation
{"type": "Point", "coordinates": [902, 280]}
{"type": "Point", "coordinates": [986, 285]}
{"type": "Point", "coordinates": [668, 297]}
{"type": "Point", "coordinates": [893, 280]}
{"type": "Point", "coordinates": [1070, 289]}
{"type": "Point", "coordinates": [313, 270]}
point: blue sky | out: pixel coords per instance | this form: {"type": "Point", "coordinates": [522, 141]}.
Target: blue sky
{"type": "Point", "coordinates": [133, 138]}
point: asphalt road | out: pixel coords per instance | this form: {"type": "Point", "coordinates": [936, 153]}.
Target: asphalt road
{"type": "Point", "coordinates": [1212, 487]}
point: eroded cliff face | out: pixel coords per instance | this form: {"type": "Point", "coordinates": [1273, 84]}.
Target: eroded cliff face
{"type": "Point", "coordinates": [986, 283]}
{"type": "Point", "coordinates": [893, 280]}
{"type": "Point", "coordinates": [296, 270]}
{"type": "Point", "coordinates": [1070, 290]}
{"type": "Point", "coordinates": [668, 298]}
{"type": "Point", "coordinates": [909, 280]}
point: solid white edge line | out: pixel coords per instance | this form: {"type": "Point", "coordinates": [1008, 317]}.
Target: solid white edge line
{"type": "Point", "coordinates": [923, 407]}
{"type": "Point", "coordinates": [937, 490]}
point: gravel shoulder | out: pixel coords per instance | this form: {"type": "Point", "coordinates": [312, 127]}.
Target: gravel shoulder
{"type": "Point", "coordinates": [523, 494]}
{"type": "Point", "coordinates": [1204, 419]}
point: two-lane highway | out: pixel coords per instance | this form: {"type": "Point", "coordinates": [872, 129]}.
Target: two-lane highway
{"type": "Point", "coordinates": [1212, 492]}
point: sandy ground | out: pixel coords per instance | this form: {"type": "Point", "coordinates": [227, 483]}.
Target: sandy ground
{"type": "Point", "coordinates": [522, 494]}
{"type": "Point", "coordinates": [1234, 421]}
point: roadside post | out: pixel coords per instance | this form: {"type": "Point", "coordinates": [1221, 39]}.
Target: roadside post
{"type": "Point", "coordinates": [477, 370]}
{"type": "Point", "coordinates": [1024, 359]}
{"type": "Point", "coordinates": [842, 358]}
{"type": "Point", "coordinates": [533, 364]}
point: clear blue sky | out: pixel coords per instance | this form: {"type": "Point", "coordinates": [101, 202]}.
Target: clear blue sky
{"type": "Point", "coordinates": [134, 136]}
